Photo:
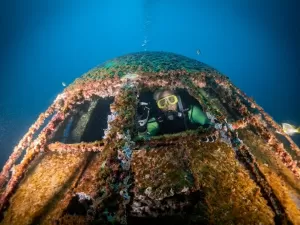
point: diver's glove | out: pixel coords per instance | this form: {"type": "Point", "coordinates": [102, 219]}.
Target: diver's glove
{"type": "Point", "coordinates": [209, 138]}
{"type": "Point", "coordinates": [209, 128]}
{"type": "Point", "coordinates": [143, 135]}
{"type": "Point", "coordinates": [142, 129]}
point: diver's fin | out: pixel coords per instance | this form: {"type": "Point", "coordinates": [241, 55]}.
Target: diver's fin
{"type": "Point", "coordinates": [298, 130]}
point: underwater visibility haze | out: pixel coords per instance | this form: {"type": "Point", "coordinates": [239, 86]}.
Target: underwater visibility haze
{"type": "Point", "coordinates": [153, 112]}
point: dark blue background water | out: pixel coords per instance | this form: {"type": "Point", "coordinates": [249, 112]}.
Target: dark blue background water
{"type": "Point", "coordinates": [45, 43]}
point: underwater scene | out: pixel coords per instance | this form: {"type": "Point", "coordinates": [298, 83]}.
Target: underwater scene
{"type": "Point", "coordinates": [149, 112]}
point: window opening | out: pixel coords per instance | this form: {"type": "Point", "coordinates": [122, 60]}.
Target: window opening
{"type": "Point", "coordinates": [169, 111]}
{"type": "Point", "coordinates": [87, 124]}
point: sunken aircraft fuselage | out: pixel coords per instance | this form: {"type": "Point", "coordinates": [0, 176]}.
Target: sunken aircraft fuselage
{"type": "Point", "coordinates": [84, 161]}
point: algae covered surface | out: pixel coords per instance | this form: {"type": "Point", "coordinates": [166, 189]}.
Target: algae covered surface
{"type": "Point", "coordinates": [228, 194]}
{"type": "Point", "coordinates": [47, 181]}
{"type": "Point", "coordinates": [235, 171]}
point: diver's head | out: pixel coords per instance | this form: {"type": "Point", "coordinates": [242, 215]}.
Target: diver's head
{"type": "Point", "coordinates": [166, 100]}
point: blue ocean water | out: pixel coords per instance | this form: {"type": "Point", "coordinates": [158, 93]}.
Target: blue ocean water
{"type": "Point", "coordinates": [44, 43]}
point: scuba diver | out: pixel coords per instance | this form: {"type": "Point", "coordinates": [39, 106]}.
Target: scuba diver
{"type": "Point", "coordinates": [172, 117]}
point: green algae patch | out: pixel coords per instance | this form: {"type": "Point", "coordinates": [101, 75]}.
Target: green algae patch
{"type": "Point", "coordinates": [284, 193]}
{"type": "Point", "coordinates": [281, 180]}
{"type": "Point", "coordinates": [231, 197]}
{"type": "Point", "coordinates": [264, 155]}
{"type": "Point", "coordinates": [86, 183]}
{"type": "Point", "coordinates": [160, 172]}
{"type": "Point", "coordinates": [43, 187]}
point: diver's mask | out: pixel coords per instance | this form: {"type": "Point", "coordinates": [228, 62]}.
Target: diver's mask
{"type": "Point", "coordinates": [169, 100]}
